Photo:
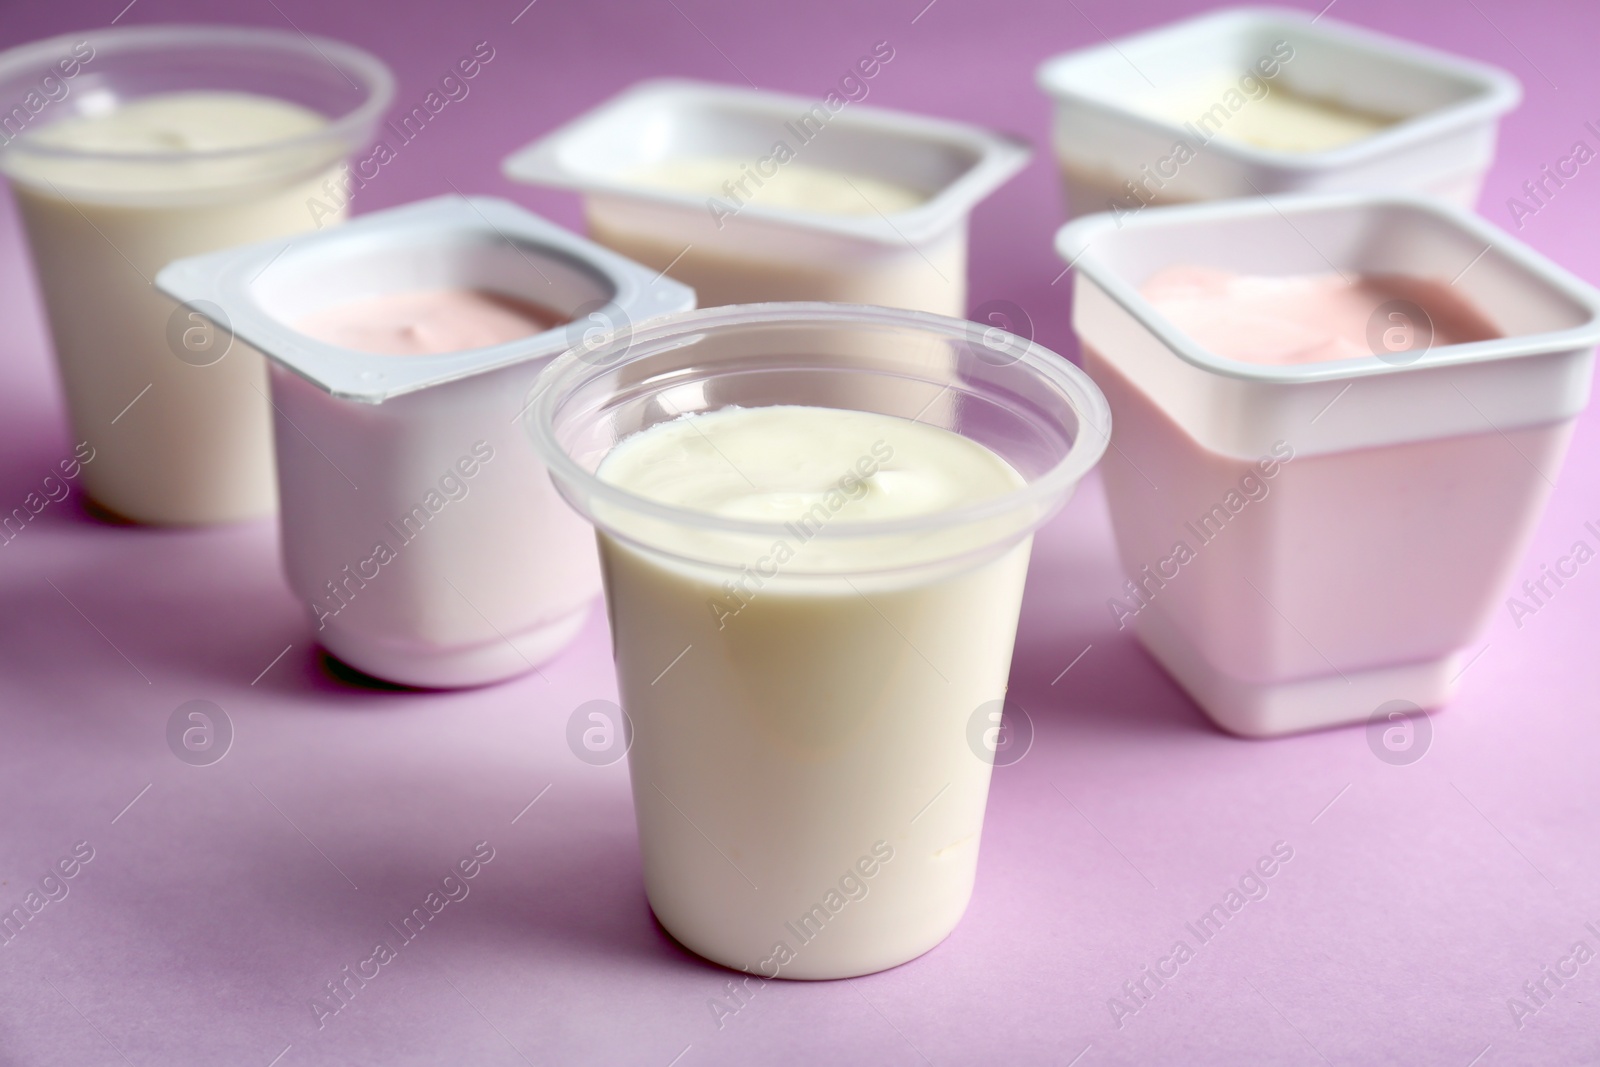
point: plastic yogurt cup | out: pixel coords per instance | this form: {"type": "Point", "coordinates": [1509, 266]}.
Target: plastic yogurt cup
{"type": "Point", "coordinates": [1306, 542]}
{"type": "Point", "coordinates": [752, 196]}
{"type": "Point", "coordinates": [417, 526]}
{"type": "Point", "coordinates": [1249, 101]}
{"type": "Point", "coordinates": [127, 148]}
{"type": "Point", "coordinates": [801, 692]}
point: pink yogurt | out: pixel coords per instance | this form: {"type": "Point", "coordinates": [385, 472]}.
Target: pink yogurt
{"type": "Point", "coordinates": [424, 537]}
{"type": "Point", "coordinates": [1337, 422]}
{"type": "Point", "coordinates": [1232, 558]}
{"type": "Point", "coordinates": [1309, 318]}
{"type": "Point", "coordinates": [427, 322]}
{"type": "Point", "coordinates": [1340, 580]}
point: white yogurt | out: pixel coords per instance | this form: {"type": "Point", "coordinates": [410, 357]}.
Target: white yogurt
{"type": "Point", "coordinates": [887, 277]}
{"type": "Point", "coordinates": [736, 193]}
{"type": "Point", "coordinates": [176, 442]}
{"type": "Point", "coordinates": [796, 186]}
{"type": "Point", "coordinates": [1247, 101]}
{"type": "Point", "coordinates": [179, 122]}
{"type": "Point", "coordinates": [418, 526]}
{"type": "Point", "coordinates": [808, 804]}
{"type": "Point", "coordinates": [1286, 508]}
{"type": "Point", "coordinates": [1278, 118]}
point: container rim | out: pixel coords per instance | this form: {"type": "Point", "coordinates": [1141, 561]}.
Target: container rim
{"type": "Point", "coordinates": [227, 278]}
{"type": "Point", "coordinates": [1497, 91]}
{"type": "Point", "coordinates": [1075, 245]}
{"type": "Point", "coordinates": [376, 82]}
{"type": "Point", "coordinates": [999, 157]}
{"type": "Point", "coordinates": [578, 367]}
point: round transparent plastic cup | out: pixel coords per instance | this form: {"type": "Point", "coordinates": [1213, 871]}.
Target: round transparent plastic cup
{"type": "Point", "coordinates": [808, 789]}
{"type": "Point", "coordinates": [174, 410]}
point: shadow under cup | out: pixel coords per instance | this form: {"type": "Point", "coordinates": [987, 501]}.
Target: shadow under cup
{"type": "Point", "coordinates": [808, 799]}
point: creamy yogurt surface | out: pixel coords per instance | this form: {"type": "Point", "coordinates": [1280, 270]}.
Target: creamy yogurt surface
{"type": "Point", "coordinates": [427, 322]}
{"type": "Point", "coordinates": [795, 186]}
{"type": "Point", "coordinates": [196, 121]}
{"type": "Point", "coordinates": [1312, 318]}
{"type": "Point", "coordinates": [1283, 120]}
{"type": "Point", "coordinates": [808, 467]}
{"type": "Point", "coordinates": [166, 144]}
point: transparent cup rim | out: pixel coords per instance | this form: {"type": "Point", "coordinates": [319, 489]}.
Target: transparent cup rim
{"type": "Point", "coordinates": [372, 77]}
{"type": "Point", "coordinates": [579, 364]}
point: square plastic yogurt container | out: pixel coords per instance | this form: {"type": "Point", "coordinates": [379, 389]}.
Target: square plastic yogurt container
{"type": "Point", "coordinates": [422, 533]}
{"type": "Point", "coordinates": [752, 196]}
{"type": "Point", "coordinates": [1247, 101]}
{"type": "Point", "coordinates": [1305, 543]}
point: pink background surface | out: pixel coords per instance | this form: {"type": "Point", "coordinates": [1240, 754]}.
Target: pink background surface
{"type": "Point", "coordinates": [1419, 899]}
